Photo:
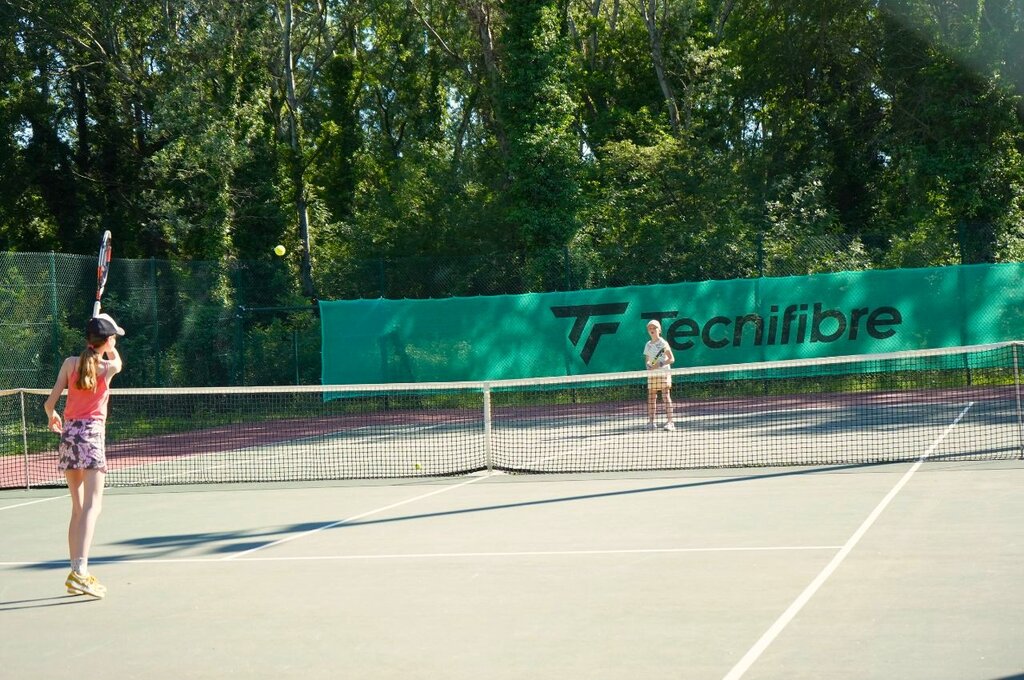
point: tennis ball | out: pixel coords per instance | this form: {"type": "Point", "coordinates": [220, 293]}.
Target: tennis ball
{"type": "Point", "coordinates": [418, 466]}
{"type": "Point", "coordinates": [279, 250]}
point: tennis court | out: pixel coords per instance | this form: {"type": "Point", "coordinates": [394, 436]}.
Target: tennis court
{"type": "Point", "coordinates": [856, 518]}
{"type": "Point", "coordinates": [902, 570]}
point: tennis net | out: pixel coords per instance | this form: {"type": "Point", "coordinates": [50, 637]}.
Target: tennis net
{"type": "Point", "coordinates": [961, 404]}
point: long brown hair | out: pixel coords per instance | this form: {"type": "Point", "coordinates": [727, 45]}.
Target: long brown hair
{"type": "Point", "coordinates": [89, 365]}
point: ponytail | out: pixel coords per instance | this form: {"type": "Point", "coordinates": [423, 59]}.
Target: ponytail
{"type": "Point", "coordinates": [88, 369]}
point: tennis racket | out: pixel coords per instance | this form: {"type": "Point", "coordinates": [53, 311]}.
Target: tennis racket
{"type": "Point", "coordinates": [102, 270]}
{"type": "Point", "coordinates": [657, 356]}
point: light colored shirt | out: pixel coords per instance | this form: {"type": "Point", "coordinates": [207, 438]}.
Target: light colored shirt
{"type": "Point", "coordinates": [652, 348]}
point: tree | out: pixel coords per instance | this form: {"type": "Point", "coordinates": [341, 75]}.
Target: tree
{"type": "Point", "coordinates": [953, 142]}
{"type": "Point", "coordinates": [541, 197]}
{"type": "Point", "coordinates": [303, 41]}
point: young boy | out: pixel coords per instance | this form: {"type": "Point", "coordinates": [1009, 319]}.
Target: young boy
{"type": "Point", "coordinates": [658, 357]}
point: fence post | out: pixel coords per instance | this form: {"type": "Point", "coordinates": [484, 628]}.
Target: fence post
{"type": "Point", "coordinates": [760, 254]}
{"type": "Point", "coordinates": [156, 320]}
{"type": "Point", "coordinates": [240, 345]}
{"type": "Point", "coordinates": [55, 328]}
{"type": "Point", "coordinates": [961, 241]}
{"type": "Point", "coordinates": [295, 354]}
{"type": "Point", "coordinates": [568, 268]}
{"type": "Point", "coordinates": [380, 274]}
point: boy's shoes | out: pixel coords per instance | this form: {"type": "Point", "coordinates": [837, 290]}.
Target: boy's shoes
{"type": "Point", "coordinates": [651, 425]}
{"type": "Point", "coordinates": [84, 585]}
{"type": "Point", "coordinates": [670, 426]}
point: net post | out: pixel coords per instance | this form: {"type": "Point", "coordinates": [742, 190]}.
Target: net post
{"type": "Point", "coordinates": [487, 427]}
{"type": "Point", "coordinates": [24, 438]}
{"type": "Point", "coordinates": [1016, 388]}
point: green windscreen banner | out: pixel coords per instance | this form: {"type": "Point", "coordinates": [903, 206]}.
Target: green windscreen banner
{"type": "Point", "coordinates": [707, 323]}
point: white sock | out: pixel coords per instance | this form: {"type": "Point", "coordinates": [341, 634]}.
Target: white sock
{"type": "Point", "coordinates": [80, 566]}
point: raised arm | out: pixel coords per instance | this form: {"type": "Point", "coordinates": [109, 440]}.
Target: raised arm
{"type": "Point", "coordinates": [112, 358]}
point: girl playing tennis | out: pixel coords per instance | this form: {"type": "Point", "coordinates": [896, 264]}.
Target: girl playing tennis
{"type": "Point", "coordinates": [82, 441]}
{"type": "Point", "coordinates": [658, 357]}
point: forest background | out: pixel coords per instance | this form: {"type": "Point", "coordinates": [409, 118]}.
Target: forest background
{"type": "Point", "coordinates": [426, 148]}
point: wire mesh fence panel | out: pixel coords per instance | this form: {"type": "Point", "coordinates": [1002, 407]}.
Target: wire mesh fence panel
{"type": "Point", "coordinates": [245, 322]}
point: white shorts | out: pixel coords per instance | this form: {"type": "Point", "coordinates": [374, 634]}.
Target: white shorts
{"type": "Point", "coordinates": [659, 381]}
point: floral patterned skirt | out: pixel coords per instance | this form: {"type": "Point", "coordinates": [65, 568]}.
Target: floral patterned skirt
{"type": "Point", "coordinates": [82, 446]}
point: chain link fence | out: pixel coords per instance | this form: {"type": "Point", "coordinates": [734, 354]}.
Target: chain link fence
{"type": "Point", "coordinates": [580, 269]}
{"type": "Point", "coordinates": [245, 323]}
{"type": "Point", "coordinates": [188, 323]}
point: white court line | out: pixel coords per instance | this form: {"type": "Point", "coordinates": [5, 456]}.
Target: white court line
{"type": "Point", "coordinates": [450, 555]}
{"type": "Point", "coordinates": [769, 636]}
{"type": "Point", "coordinates": [355, 517]}
{"type": "Point", "coordinates": [539, 553]}
{"type": "Point", "coordinates": [38, 500]}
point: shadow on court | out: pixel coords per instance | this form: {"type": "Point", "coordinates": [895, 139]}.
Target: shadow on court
{"type": "Point", "coordinates": [229, 542]}
{"type": "Point", "coordinates": [45, 601]}
{"type": "Point", "coordinates": [157, 547]}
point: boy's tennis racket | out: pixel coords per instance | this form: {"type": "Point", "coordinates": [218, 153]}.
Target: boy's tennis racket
{"type": "Point", "coordinates": [657, 356]}
{"type": "Point", "coordinates": [102, 269]}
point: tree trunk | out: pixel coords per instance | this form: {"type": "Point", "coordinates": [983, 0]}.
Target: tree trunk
{"type": "Point", "coordinates": [480, 15]}
{"type": "Point", "coordinates": [297, 170]}
{"type": "Point", "coordinates": [649, 11]}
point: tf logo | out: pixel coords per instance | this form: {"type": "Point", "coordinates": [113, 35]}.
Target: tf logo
{"type": "Point", "coordinates": [582, 314]}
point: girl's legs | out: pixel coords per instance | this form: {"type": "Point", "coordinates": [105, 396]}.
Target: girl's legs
{"type": "Point", "coordinates": [652, 404]}
{"type": "Point", "coordinates": [76, 482]}
{"type": "Point", "coordinates": [86, 489]}
{"type": "Point", "coordinates": [668, 408]}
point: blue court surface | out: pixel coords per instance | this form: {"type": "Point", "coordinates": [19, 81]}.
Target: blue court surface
{"type": "Point", "coordinates": [901, 570]}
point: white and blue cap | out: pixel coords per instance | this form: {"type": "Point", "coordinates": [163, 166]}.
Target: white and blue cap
{"type": "Point", "coordinates": [103, 326]}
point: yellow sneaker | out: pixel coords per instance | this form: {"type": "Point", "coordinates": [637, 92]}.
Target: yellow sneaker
{"type": "Point", "coordinates": [84, 585]}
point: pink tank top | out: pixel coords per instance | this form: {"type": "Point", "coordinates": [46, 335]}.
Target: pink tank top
{"type": "Point", "coordinates": [85, 404]}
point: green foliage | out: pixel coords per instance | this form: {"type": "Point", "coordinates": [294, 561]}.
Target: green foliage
{"type": "Point", "coordinates": [340, 138]}
{"type": "Point", "coordinates": [666, 212]}
{"type": "Point", "coordinates": [541, 196]}
{"type": "Point", "coordinates": [524, 143]}
{"type": "Point", "coordinates": [953, 133]}
{"type": "Point", "coordinates": [802, 220]}
{"type": "Point", "coordinates": [282, 350]}
{"type": "Point", "coordinates": [214, 176]}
